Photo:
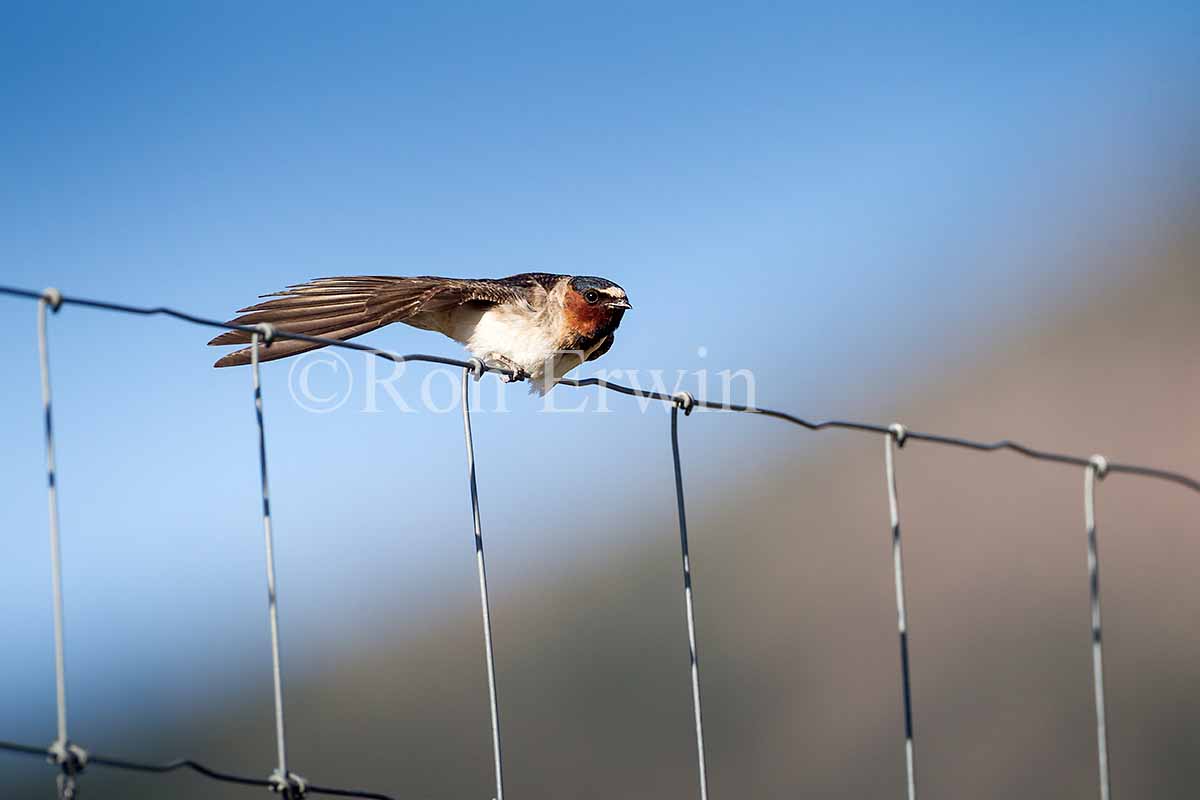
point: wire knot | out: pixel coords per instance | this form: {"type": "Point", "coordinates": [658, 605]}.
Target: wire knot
{"type": "Point", "coordinates": [684, 401]}
{"type": "Point", "coordinates": [899, 432]}
{"type": "Point", "coordinates": [267, 331]}
{"type": "Point", "coordinates": [53, 298]}
{"type": "Point", "coordinates": [71, 757]}
{"type": "Point", "coordinates": [476, 368]}
{"type": "Point", "coordinates": [293, 787]}
{"type": "Point", "coordinates": [1100, 464]}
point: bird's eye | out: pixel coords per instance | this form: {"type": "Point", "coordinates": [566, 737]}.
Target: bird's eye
{"type": "Point", "coordinates": [592, 296]}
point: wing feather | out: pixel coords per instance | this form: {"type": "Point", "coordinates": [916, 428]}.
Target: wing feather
{"type": "Point", "coordinates": [342, 308]}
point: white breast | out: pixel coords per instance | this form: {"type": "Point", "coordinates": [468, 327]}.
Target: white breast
{"type": "Point", "coordinates": [519, 335]}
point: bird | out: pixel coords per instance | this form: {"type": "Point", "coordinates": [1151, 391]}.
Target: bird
{"type": "Point", "coordinates": [535, 325]}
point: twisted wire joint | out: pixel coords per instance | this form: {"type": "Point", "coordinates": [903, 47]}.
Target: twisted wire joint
{"type": "Point", "coordinates": [268, 332]}
{"type": "Point", "coordinates": [293, 787]}
{"type": "Point", "coordinates": [684, 401]}
{"type": "Point", "coordinates": [53, 298]}
{"type": "Point", "coordinates": [71, 757]}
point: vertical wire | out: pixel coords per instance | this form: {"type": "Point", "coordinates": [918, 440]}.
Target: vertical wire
{"type": "Point", "coordinates": [69, 757]}
{"type": "Point", "coordinates": [272, 608]}
{"type": "Point", "coordinates": [60, 677]}
{"type": "Point", "coordinates": [897, 433]}
{"type": "Point", "coordinates": [1091, 472]}
{"type": "Point", "coordinates": [687, 597]}
{"type": "Point", "coordinates": [483, 590]}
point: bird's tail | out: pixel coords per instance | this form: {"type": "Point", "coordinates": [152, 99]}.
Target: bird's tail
{"type": "Point", "coordinates": [332, 308]}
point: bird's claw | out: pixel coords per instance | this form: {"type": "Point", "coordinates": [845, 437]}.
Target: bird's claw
{"type": "Point", "coordinates": [515, 375]}
{"type": "Point", "coordinates": [511, 372]}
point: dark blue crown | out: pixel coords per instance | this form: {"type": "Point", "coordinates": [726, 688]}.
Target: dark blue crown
{"type": "Point", "coordinates": [584, 282]}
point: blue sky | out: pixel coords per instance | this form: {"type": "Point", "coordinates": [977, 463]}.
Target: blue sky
{"type": "Point", "coordinates": [843, 202]}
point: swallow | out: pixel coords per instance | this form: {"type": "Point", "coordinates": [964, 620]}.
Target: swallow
{"type": "Point", "coordinates": [537, 325]}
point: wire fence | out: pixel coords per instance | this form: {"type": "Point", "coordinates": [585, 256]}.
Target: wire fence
{"type": "Point", "coordinates": [72, 759]}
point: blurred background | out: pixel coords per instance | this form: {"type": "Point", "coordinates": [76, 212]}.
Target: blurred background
{"type": "Point", "coordinates": [981, 222]}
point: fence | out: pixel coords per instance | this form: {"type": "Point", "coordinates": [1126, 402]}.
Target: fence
{"type": "Point", "coordinates": [71, 759]}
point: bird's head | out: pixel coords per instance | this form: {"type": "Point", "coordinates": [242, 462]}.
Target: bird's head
{"type": "Point", "coordinates": [592, 305]}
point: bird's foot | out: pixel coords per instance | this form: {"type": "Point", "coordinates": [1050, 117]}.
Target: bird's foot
{"type": "Point", "coordinates": [513, 372]}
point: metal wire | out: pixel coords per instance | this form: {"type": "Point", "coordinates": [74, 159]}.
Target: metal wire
{"type": "Point", "coordinates": [289, 785]}
{"type": "Point", "coordinates": [898, 434]}
{"type": "Point", "coordinates": [864, 427]}
{"type": "Point", "coordinates": [195, 766]}
{"type": "Point", "coordinates": [693, 657]}
{"type": "Point", "coordinates": [484, 603]}
{"type": "Point", "coordinates": [933, 438]}
{"type": "Point", "coordinates": [71, 758]}
{"type": "Point", "coordinates": [1094, 471]}
{"type": "Point", "coordinates": [60, 677]}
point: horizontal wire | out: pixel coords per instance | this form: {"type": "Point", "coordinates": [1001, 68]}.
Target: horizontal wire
{"type": "Point", "coordinates": [933, 438]}
{"type": "Point", "coordinates": [195, 766]}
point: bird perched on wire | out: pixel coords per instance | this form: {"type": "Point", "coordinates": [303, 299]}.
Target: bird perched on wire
{"type": "Point", "coordinates": [537, 325]}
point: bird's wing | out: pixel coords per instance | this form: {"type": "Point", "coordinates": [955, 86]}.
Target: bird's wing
{"type": "Point", "coordinates": [604, 347]}
{"type": "Point", "coordinates": [342, 308]}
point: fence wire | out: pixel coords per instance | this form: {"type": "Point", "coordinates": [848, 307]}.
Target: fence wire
{"type": "Point", "coordinates": [1096, 470]}
{"type": "Point", "coordinates": [476, 368]}
{"type": "Point", "coordinates": [687, 403]}
{"type": "Point", "coordinates": [288, 784]}
{"type": "Point", "coordinates": [71, 759]}
{"type": "Point", "coordinates": [900, 435]}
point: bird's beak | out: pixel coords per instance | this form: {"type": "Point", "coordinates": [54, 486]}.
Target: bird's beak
{"type": "Point", "coordinates": [619, 304]}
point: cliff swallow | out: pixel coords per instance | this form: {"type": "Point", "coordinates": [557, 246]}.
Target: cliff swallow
{"type": "Point", "coordinates": [536, 324]}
